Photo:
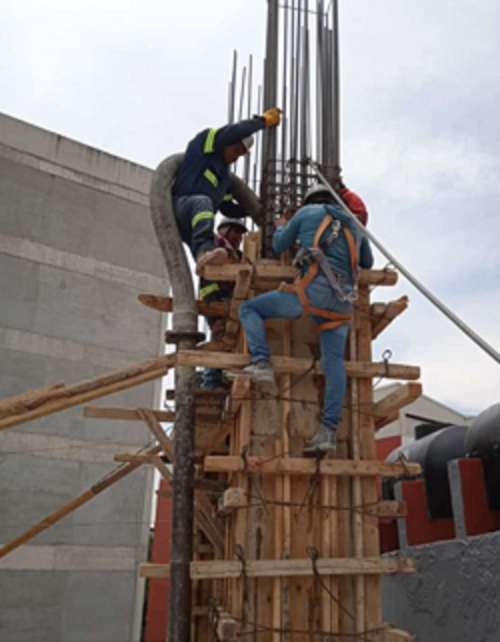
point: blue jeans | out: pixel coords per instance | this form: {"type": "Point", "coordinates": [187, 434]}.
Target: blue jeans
{"type": "Point", "coordinates": [286, 305]}
{"type": "Point", "coordinates": [195, 219]}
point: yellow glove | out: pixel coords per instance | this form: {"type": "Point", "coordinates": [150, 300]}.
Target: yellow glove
{"type": "Point", "coordinates": [272, 117]}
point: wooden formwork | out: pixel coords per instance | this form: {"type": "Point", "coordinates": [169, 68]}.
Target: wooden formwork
{"type": "Point", "coordinates": [286, 548]}
{"type": "Point", "coordinates": [301, 544]}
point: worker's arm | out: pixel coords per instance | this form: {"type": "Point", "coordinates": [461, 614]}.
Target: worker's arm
{"type": "Point", "coordinates": [286, 235]}
{"type": "Point", "coordinates": [365, 254]}
{"type": "Point", "coordinates": [231, 134]}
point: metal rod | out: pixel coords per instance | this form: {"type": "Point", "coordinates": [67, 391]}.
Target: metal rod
{"type": "Point", "coordinates": [413, 280]}
{"type": "Point", "coordinates": [249, 114]}
{"type": "Point", "coordinates": [336, 88]}
{"type": "Point", "coordinates": [233, 85]}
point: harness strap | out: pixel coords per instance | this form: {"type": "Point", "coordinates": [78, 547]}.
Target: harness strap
{"type": "Point", "coordinates": [301, 282]}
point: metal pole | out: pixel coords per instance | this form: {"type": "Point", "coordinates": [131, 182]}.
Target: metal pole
{"type": "Point", "coordinates": [415, 282]}
{"type": "Point", "coordinates": [336, 89]}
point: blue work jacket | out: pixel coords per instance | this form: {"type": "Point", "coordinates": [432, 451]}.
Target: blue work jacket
{"type": "Point", "coordinates": [302, 228]}
{"type": "Point", "coordinates": [203, 170]}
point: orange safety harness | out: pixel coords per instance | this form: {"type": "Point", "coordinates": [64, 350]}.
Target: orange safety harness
{"type": "Point", "coordinates": [301, 282]}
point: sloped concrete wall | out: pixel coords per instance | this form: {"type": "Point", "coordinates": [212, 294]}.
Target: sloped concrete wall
{"type": "Point", "coordinates": [76, 248]}
{"type": "Point", "coordinates": [454, 597]}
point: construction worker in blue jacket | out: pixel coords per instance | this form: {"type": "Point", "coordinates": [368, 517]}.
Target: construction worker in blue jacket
{"type": "Point", "coordinates": [332, 248]}
{"type": "Point", "coordinates": [203, 183]}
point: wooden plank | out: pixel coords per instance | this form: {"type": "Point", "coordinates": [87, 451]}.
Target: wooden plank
{"type": "Point", "coordinates": [357, 497]}
{"type": "Point", "coordinates": [124, 414]}
{"type": "Point", "coordinates": [166, 304]}
{"type": "Point", "coordinates": [240, 391]}
{"type": "Point", "coordinates": [287, 568]}
{"type": "Point", "coordinates": [390, 405]}
{"type": "Point", "coordinates": [303, 466]}
{"type": "Point", "coordinates": [370, 488]}
{"type": "Point", "coordinates": [218, 438]}
{"type": "Point", "coordinates": [382, 315]}
{"type": "Point", "coordinates": [154, 426]}
{"type": "Point", "coordinates": [266, 272]}
{"type": "Point", "coordinates": [44, 402]}
{"type": "Point", "coordinates": [161, 467]}
{"type": "Point", "coordinates": [27, 396]}
{"type": "Point", "coordinates": [240, 293]}
{"type": "Point", "coordinates": [283, 514]}
{"type": "Point", "coordinates": [84, 498]}
{"type": "Point", "coordinates": [294, 365]}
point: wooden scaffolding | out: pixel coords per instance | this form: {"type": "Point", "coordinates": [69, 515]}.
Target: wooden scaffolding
{"type": "Point", "coordinates": [286, 548]}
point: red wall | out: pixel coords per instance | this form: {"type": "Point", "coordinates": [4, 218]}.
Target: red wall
{"type": "Point", "coordinates": [157, 606]}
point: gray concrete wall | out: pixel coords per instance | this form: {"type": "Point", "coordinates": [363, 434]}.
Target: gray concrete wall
{"type": "Point", "coordinates": [454, 596]}
{"type": "Point", "coordinates": [76, 248]}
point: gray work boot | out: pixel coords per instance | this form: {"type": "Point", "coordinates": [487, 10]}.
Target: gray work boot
{"type": "Point", "coordinates": [322, 443]}
{"type": "Point", "coordinates": [260, 372]}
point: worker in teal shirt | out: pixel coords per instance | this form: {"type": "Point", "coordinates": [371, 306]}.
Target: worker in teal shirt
{"type": "Point", "coordinates": [278, 304]}
{"type": "Point", "coordinates": [203, 183]}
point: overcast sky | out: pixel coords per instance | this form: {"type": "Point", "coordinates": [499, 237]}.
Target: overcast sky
{"type": "Point", "coordinates": [420, 132]}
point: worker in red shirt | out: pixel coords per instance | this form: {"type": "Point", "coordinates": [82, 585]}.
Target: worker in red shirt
{"type": "Point", "coordinates": [352, 200]}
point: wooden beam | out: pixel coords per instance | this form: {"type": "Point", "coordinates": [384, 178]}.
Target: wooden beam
{"type": "Point", "coordinates": [124, 414]}
{"type": "Point", "coordinates": [382, 314]}
{"type": "Point", "coordinates": [304, 466]}
{"type": "Point", "coordinates": [27, 396]}
{"type": "Point", "coordinates": [265, 272]}
{"type": "Point", "coordinates": [240, 392]}
{"type": "Point", "coordinates": [84, 498]}
{"type": "Point", "coordinates": [129, 458]}
{"type": "Point", "coordinates": [240, 293]}
{"type": "Point", "coordinates": [212, 570]}
{"type": "Point", "coordinates": [296, 366]}
{"type": "Point", "coordinates": [389, 406]}
{"type": "Point", "coordinates": [166, 304]}
{"type": "Point", "coordinates": [154, 426]}
{"type": "Point", "coordinates": [220, 435]}
{"type": "Point", "coordinates": [44, 401]}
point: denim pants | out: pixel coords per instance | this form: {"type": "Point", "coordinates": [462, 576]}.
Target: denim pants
{"type": "Point", "coordinates": [286, 305]}
{"type": "Point", "coordinates": [195, 219]}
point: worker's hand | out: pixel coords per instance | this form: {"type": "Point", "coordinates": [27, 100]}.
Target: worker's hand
{"type": "Point", "coordinates": [272, 117]}
{"type": "Point", "coordinates": [280, 222]}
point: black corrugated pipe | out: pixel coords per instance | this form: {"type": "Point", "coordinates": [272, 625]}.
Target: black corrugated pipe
{"type": "Point", "coordinates": [184, 333]}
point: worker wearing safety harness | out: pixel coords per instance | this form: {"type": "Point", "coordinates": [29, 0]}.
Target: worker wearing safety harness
{"type": "Point", "coordinates": [203, 183]}
{"type": "Point", "coordinates": [229, 235]}
{"type": "Point", "coordinates": [331, 249]}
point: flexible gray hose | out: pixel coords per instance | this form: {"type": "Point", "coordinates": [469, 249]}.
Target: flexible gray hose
{"type": "Point", "coordinates": [185, 326]}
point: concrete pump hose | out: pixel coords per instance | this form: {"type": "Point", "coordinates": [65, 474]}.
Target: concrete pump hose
{"type": "Point", "coordinates": [185, 317]}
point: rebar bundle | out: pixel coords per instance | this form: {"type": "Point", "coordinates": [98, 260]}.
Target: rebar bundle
{"type": "Point", "coordinates": [301, 76]}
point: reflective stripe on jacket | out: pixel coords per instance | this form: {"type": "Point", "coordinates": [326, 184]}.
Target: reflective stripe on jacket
{"type": "Point", "coordinates": [203, 170]}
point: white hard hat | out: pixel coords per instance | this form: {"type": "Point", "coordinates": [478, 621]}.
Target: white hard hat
{"type": "Point", "coordinates": [248, 143]}
{"type": "Point", "coordinates": [318, 190]}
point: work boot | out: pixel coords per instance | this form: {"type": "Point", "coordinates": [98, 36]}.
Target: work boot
{"type": "Point", "coordinates": [322, 443]}
{"type": "Point", "coordinates": [260, 372]}
{"type": "Point", "coordinates": [218, 256]}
